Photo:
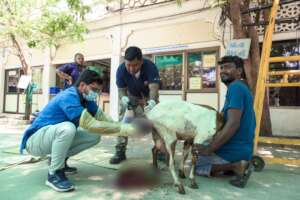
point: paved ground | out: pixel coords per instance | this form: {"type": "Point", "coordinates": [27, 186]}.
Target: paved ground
{"type": "Point", "coordinates": [95, 177]}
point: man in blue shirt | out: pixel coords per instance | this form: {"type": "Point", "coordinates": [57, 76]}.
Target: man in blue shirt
{"type": "Point", "coordinates": [138, 85]}
{"type": "Point", "coordinates": [56, 130]}
{"type": "Point", "coordinates": [71, 71]}
{"type": "Point", "coordinates": [232, 147]}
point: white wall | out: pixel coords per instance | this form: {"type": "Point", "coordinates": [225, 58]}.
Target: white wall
{"type": "Point", "coordinates": [11, 103]}
{"type": "Point", "coordinates": [166, 97]}
{"type": "Point", "coordinates": [285, 121]}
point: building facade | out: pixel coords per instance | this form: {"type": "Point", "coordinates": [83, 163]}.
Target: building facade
{"type": "Point", "coordinates": [184, 41]}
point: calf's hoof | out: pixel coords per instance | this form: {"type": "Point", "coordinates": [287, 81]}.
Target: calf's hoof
{"type": "Point", "coordinates": [181, 174]}
{"type": "Point", "coordinates": [155, 165]}
{"type": "Point", "coordinates": [193, 184]}
{"type": "Point", "coordinates": [180, 189]}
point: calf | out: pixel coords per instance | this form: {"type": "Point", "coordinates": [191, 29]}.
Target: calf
{"type": "Point", "coordinates": [180, 120]}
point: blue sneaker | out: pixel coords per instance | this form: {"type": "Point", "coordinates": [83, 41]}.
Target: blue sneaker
{"type": "Point", "coordinates": [59, 182]}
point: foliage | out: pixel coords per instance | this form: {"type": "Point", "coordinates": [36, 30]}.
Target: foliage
{"type": "Point", "coordinates": [42, 23]}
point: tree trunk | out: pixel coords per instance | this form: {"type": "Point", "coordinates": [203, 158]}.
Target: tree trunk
{"type": "Point", "coordinates": [252, 63]}
{"type": "Point", "coordinates": [25, 70]}
{"type": "Point", "coordinates": [20, 54]}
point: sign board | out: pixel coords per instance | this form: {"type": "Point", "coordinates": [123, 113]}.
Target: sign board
{"type": "Point", "coordinates": [24, 81]}
{"type": "Point", "coordinates": [195, 83]}
{"type": "Point", "coordinates": [209, 60]}
{"type": "Point", "coordinates": [239, 48]}
{"type": "Point", "coordinates": [12, 73]}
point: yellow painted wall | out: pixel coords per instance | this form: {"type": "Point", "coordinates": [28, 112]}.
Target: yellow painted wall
{"type": "Point", "coordinates": [91, 47]}
{"type": "Point", "coordinates": [181, 33]}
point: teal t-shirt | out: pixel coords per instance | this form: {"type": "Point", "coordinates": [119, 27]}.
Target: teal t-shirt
{"type": "Point", "coordinates": [240, 146]}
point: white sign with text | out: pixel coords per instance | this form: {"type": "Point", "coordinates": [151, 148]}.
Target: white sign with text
{"type": "Point", "coordinates": [239, 48]}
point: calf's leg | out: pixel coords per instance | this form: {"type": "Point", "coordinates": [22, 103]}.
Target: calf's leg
{"type": "Point", "coordinates": [177, 183]}
{"type": "Point", "coordinates": [185, 154]}
{"type": "Point", "coordinates": [192, 172]}
{"type": "Point", "coordinates": [154, 156]}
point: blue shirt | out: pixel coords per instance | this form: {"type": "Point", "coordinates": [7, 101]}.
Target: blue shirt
{"type": "Point", "coordinates": [138, 87]}
{"type": "Point", "coordinates": [73, 70]}
{"type": "Point", "coordinates": [66, 106]}
{"type": "Point", "coordinates": [240, 146]}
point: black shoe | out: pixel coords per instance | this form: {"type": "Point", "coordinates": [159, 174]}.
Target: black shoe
{"type": "Point", "coordinates": [67, 169]}
{"type": "Point", "coordinates": [161, 157]}
{"type": "Point", "coordinates": [118, 157]}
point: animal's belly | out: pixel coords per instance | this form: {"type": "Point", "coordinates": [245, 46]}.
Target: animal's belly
{"type": "Point", "coordinates": [185, 135]}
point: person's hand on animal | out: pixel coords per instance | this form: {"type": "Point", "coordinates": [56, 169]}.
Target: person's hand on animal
{"type": "Point", "coordinates": [199, 149]}
{"type": "Point", "coordinates": [125, 101]}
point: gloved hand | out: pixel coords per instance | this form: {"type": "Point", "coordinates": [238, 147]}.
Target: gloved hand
{"type": "Point", "coordinates": [143, 125]}
{"type": "Point", "coordinates": [125, 100]}
{"type": "Point", "coordinates": [128, 130]}
{"type": "Point", "coordinates": [150, 106]}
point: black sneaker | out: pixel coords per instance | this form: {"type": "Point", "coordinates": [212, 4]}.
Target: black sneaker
{"type": "Point", "coordinates": [161, 157]}
{"type": "Point", "coordinates": [59, 182]}
{"type": "Point", "coordinates": [67, 169]}
{"type": "Point", "coordinates": [118, 157]}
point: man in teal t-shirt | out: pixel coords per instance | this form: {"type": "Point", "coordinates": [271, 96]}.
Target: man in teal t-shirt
{"type": "Point", "coordinates": [232, 147]}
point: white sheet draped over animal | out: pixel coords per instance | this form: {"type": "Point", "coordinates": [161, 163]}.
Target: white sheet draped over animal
{"type": "Point", "coordinates": [186, 119]}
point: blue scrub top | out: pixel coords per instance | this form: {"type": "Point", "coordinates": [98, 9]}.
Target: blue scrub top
{"type": "Point", "coordinates": [240, 146]}
{"type": "Point", "coordinates": [138, 87]}
{"type": "Point", "coordinates": [66, 106]}
{"type": "Point", "coordinates": [73, 70]}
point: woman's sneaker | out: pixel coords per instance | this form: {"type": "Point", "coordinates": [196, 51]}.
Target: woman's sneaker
{"type": "Point", "coordinates": [59, 182]}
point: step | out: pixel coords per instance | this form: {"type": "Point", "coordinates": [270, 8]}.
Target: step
{"type": "Point", "coordinates": [13, 119]}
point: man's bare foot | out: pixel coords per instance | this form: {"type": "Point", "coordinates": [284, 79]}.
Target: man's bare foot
{"type": "Point", "coordinates": [240, 167]}
{"type": "Point", "coordinates": [243, 171]}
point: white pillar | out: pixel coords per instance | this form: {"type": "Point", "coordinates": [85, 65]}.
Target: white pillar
{"type": "Point", "coordinates": [115, 62]}
{"type": "Point", "coordinates": [222, 86]}
{"type": "Point", "coordinates": [3, 58]}
{"type": "Point", "coordinates": [48, 76]}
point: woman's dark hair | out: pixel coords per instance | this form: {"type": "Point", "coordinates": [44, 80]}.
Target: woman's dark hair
{"type": "Point", "coordinates": [88, 77]}
{"type": "Point", "coordinates": [132, 53]}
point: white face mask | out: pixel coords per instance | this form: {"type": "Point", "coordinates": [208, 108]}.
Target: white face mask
{"type": "Point", "coordinates": [137, 75]}
{"type": "Point", "coordinates": [91, 96]}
